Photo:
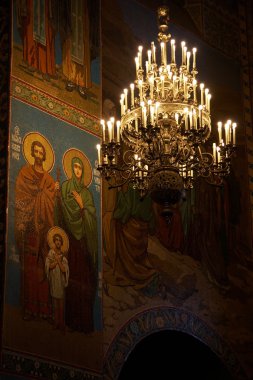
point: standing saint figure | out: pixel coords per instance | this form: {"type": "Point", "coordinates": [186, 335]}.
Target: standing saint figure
{"type": "Point", "coordinates": [34, 216]}
{"type": "Point", "coordinates": [57, 271]}
{"type": "Point", "coordinates": [76, 59]}
{"type": "Point", "coordinates": [37, 23]}
{"type": "Point", "coordinates": [127, 251]}
{"type": "Point", "coordinates": [76, 214]}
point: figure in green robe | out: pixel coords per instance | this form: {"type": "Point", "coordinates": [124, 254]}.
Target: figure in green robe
{"type": "Point", "coordinates": [129, 263]}
{"type": "Point", "coordinates": [76, 213]}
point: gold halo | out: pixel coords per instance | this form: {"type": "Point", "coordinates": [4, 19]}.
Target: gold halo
{"type": "Point", "coordinates": [66, 162]}
{"type": "Point", "coordinates": [27, 143]}
{"type": "Point", "coordinates": [58, 230]}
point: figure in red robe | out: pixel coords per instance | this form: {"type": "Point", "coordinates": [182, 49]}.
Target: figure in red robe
{"type": "Point", "coordinates": [34, 205]}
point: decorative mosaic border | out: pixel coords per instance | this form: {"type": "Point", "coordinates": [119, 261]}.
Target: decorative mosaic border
{"type": "Point", "coordinates": [248, 112]}
{"type": "Point", "coordinates": [31, 95]}
{"type": "Point", "coordinates": [37, 368]}
{"type": "Point", "coordinates": [166, 318]}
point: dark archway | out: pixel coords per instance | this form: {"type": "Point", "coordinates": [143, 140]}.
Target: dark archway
{"type": "Point", "coordinates": [164, 320]}
{"type": "Point", "coordinates": [173, 352]}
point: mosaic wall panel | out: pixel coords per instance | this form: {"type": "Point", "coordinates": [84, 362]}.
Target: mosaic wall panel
{"type": "Point", "coordinates": [52, 299]}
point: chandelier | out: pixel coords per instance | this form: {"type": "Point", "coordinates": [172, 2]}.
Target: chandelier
{"type": "Point", "coordinates": [159, 143]}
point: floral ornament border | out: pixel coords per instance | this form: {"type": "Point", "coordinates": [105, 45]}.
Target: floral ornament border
{"type": "Point", "coordinates": [166, 318]}
{"type": "Point", "coordinates": [36, 368]}
{"type": "Point", "coordinates": [31, 95]}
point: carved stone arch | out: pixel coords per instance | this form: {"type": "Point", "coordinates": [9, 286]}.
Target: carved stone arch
{"type": "Point", "coordinates": [166, 318]}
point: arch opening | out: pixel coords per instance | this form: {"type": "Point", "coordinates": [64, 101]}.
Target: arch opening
{"type": "Point", "coordinates": [169, 352]}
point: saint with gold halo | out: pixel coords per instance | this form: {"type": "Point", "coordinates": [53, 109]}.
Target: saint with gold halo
{"type": "Point", "coordinates": [76, 214]}
{"type": "Point", "coordinates": [34, 215]}
{"type": "Point", "coordinates": [55, 230]}
{"type": "Point", "coordinates": [57, 271]}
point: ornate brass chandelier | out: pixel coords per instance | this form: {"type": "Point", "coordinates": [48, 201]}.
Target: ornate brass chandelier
{"type": "Point", "coordinates": [158, 145]}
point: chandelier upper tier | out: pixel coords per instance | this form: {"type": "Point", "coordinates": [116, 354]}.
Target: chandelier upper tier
{"type": "Point", "coordinates": [158, 144]}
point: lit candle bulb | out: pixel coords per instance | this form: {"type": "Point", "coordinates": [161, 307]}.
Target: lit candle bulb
{"type": "Point", "coordinates": [144, 116]}
{"type": "Point", "coordinates": [136, 65]}
{"type": "Point", "coordinates": [185, 52]}
{"type": "Point", "coordinates": [118, 131]}
{"type": "Point", "coordinates": [188, 56]}
{"type": "Point", "coordinates": [208, 102]}
{"type": "Point", "coordinates": [218, 154]}
{"type": "Point", "coordinates": [132, 94]}
{"type": "Point", "coordinates": [226, 133]}
{"type": "Point", "coordinates": [234, 125]}
{"type": "Point", "coordinates": [220, 131]}
{"type": "Point", "coordinates": [112, 120]}
{"type": "Point", "coordinates": [173, 51]}
{"type": "Point", "coordinates": [202, 93]}
{"type": "Point", "coordinates": [99, 154]}
{"type": "Point", "coordinates": [194, 118]}
{"type": "Point", "coordinates": [229, 122]}
{"type": "Point", "coordinates": [200, 116]}
{"type": "Point", "coordinates": [102, 122]}
{"type": "Point", "coordinates": [147, 67]}
{"type": "Point", "coordinates": [153, 52]}
{"type": "Point", "coordinates": [214, 153]}
{"type": "Point", "coordinates": [162, 53]}
{"type": "Point", "coordinates": [182, 46]}
{"type": "Point", "coordinates": [194, 58]}
{"type": "Point", "coordinates": [109, 125]}
{"type": "Point", "coordinates": [190, 117]}
{"type": "Point", "coordinates": [151, 85]}
{"type": "Point", "coordinates": [140, 48]}
{"type": "Point", "coordinates": [126, 103]}
{"type": "Point", "coordinates": [122, 104]}
{"type": "Point", "coordinates": [206, 97]}
{"type": "Point", "coordinates": [165, 54]}
{"type": "Point", "coordinates": [176, 118]}
{"type": "Point", "coordinates": [149, 59]}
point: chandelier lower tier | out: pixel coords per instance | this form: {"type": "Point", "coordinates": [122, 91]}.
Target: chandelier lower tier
{"type": "Point", "coordinates": [159, 145]}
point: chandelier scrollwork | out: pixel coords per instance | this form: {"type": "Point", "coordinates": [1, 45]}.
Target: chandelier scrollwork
{"type": "Point", "coordinates": [158, 145]}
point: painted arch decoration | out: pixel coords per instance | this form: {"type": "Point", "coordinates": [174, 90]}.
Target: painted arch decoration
{"type": "Point", "coordinates": [166, 318]}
